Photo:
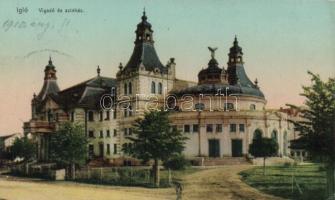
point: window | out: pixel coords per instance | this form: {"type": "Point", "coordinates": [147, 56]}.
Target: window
{"type": "Point", "coordinates": [252, 107]}
{"type": "Point", "coordinates": [72, 116]}
{"type": "Point", "coordinates": [174, 127]}
{"type": "Point", "coordinates": [125, 112]}
{"type": "Point", "coordinates": [186, 128]}
{"type": "Point", "coordinates": [108, 149]}
{"type": "Point", "coordinates": [101, 114]}
{"type": "Point", "coordinates": [232, 127]}
{"type": "Point", "coordinates": [108, 134]}
{"type": "Point", "coordinates": [90, 150]}
{"type": "Point", "coordinates": [91, 134]}
{"type": "Point", "coordinates": [153, 87]}
{"type": "Point", "coordinates": [160, 88]}
{"type": "Point", "coordinates": [114, 114]}
{"type": "Point", "coordinates": [115, 148]}
{"type": "Point", "coordinates": [125, 88]}
{"type": "Point", "coordinates": [209, 128]}
{"type": "Point", "coordinates": [130, 88]}
{"type": "Point", "coordinates": [219, 128]}
{"type": "Point", "coordinates": [90, 116]}
{"type": "Point", "coordinates": [130, 111]}
{"type": "Point", "coordinates": [195, 128]}
{"type": "Point", "coordinates": [125, 131]}
{"type": "Point", "coordinates": [115, 133]}
{"type": "Point", "coordinates": [241, 128]}
{"type": "Point", "coordinates": [130, 131]}
{"type": "Point", "coordinates": [101, 134]}
{"type": "Point", "coordinates": [228, 106]}
{"type": "Point", "coordinates": [107, 115]}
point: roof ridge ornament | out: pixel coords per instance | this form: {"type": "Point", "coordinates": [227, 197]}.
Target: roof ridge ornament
{"type": "Point", "coordinates": [50, 60]}
{"type": "Point", "coordinates": [98, 71]}
{"type": "Point", "coordinates": [144, 17]}
{"type": "Point", "coordinates": [212, 50]}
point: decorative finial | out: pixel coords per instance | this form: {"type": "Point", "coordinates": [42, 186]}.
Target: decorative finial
{"type": "Point", "coordinates": [98, 70]}
{"type": "Point", "coordinates": [144, 17]}
{"type": "Point", "coordinates": [256, 82]}
{"type": "Point", "coordinates": [212, 50]}
{"type": "Point", "coordinates": [120, 66]}
{"type": "Point", "coordinates": [235, 40]}
{"type": "Point", "coordinates": [50, 61]}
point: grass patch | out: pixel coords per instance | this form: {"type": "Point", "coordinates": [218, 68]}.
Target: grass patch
{"type": "Point", "coordinates": [278, 181]}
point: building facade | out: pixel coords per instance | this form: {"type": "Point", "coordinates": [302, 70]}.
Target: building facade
{"type": "Point", "coordinates": [220, 114]}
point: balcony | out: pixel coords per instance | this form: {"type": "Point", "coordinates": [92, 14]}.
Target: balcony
{"type": "Point", "coordinates": [35, 126]}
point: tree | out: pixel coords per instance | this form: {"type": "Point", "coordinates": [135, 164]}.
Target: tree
{"type": "Point", "coordinates": [317, 127]}
{"type": "Point", "coordinates": [68, 146]}
{"type": "Point", "coordinates": [263, 147]}
{"type": "Point", "coordinates": [155, 139]}
{"type": "Point", "coordinates": [23, 148]}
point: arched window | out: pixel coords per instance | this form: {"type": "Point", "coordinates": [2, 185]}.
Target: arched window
{"type": "Point", "coordinates": [153, 87]}
{"type": "Point", "coordinates": [125, 88]}
{"type": "Point", "coordinates": [274, 135]}
{"type": "Point", "coordinates": [252, 107]}
{"type": "Point", "coordinates": [160, 88]}
{"type": "Point", "coordinates": [130, 88]}
{"type": "Point", "coordinates": [258, 133]}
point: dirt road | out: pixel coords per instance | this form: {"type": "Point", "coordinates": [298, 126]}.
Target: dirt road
{"type": "Point", "coordinates": [213, 184]}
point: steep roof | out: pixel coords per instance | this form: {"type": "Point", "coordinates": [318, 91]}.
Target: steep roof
{"type": "Point", "coordinates": [86, 94]}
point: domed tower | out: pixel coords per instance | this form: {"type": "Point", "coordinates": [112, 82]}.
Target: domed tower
{"type": "Point", "coordinates": [213, 73]}
{"type": "Point", "coordinates": [50, 85]}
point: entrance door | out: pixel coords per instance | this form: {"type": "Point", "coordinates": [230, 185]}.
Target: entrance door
{"type": "Point", "coordinates": [236, 148]}
{"type": "Point", "coordinates": [214, 148]}
{"type": "Point", "coordinates": [101, 150]}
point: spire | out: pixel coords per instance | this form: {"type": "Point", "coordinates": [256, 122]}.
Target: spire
{"type": "Point", "coordinates": [98, 70]}
{"type": "Point", "coordinates": [50, 61]}
{"type": "Point", "coordinates": [144, 17]}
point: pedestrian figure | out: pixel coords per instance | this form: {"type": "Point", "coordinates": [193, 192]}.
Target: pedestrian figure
{"type": "Point", "coordinates": [179, 190]}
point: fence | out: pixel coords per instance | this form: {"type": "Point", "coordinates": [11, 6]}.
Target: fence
{"type": "Point", "coordinates": [125, 176]}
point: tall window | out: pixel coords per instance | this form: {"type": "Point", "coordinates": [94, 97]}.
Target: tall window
{"type": "Point", "coordinates": [153, 87]}
{"type": "Point", "coordinates": [232, 127]}
{"type": "Point", "coordinates": [274, 135]}
{"type": "Point", "coordinates": [108, 134]}
{"type": "Point", "coordinates": [125, 88]}
{"type": "Point", "coordinates": [209, 128]}
{"type": "Point", "coordinates": [91, 134]}
{"type": "Point", "coordinates": [219, 128]}
{"type": "Point", "coordinates": [101, 114]}
{"type": "Point", "coordinates": [108, 149]}
{"type": "Point", "coordinates": [115, 133]}
{"type": "Point", "coordinates": [90, 116]}
{"type": "Point", "coordinates": [241, 127]}
{"type": "Point", "coordinates": [195, 128]}
{"type": "Point", "coordinates": [130, 88]}
{"type": "Point", "coordinates": [186, 128]}
{"type": "Point", "coordinates": [115, 148]}
{"type": "Point", "coordinates": [101, 134]}
{"type": "Point", "coordinates": [130, 111]}
{"type": "Point", "coordinates": [160, 88]}
{"type": "Point", "coordinates": [125, 131]}
{"type": "Point", "coordinates": [107, 115]}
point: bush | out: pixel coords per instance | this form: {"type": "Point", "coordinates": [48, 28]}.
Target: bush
{"type": "Point", "coordinates": [177, 162]}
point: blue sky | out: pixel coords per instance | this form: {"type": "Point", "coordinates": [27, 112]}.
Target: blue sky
{"type": "Point", "coordinates": [281, 40]}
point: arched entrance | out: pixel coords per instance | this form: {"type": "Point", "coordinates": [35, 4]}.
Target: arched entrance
{"type": "Point", "coordinates": [257, 133]}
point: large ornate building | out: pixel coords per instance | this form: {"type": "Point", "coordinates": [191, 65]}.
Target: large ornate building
{"type": "Point", "coordinates": [220, 114]}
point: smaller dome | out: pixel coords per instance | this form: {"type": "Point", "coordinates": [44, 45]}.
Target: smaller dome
{"type": "Point", "coordinates": [212, 74]}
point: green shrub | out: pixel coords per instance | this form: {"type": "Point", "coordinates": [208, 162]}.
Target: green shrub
{"type": "Point", "coordinates": [177, 162]}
